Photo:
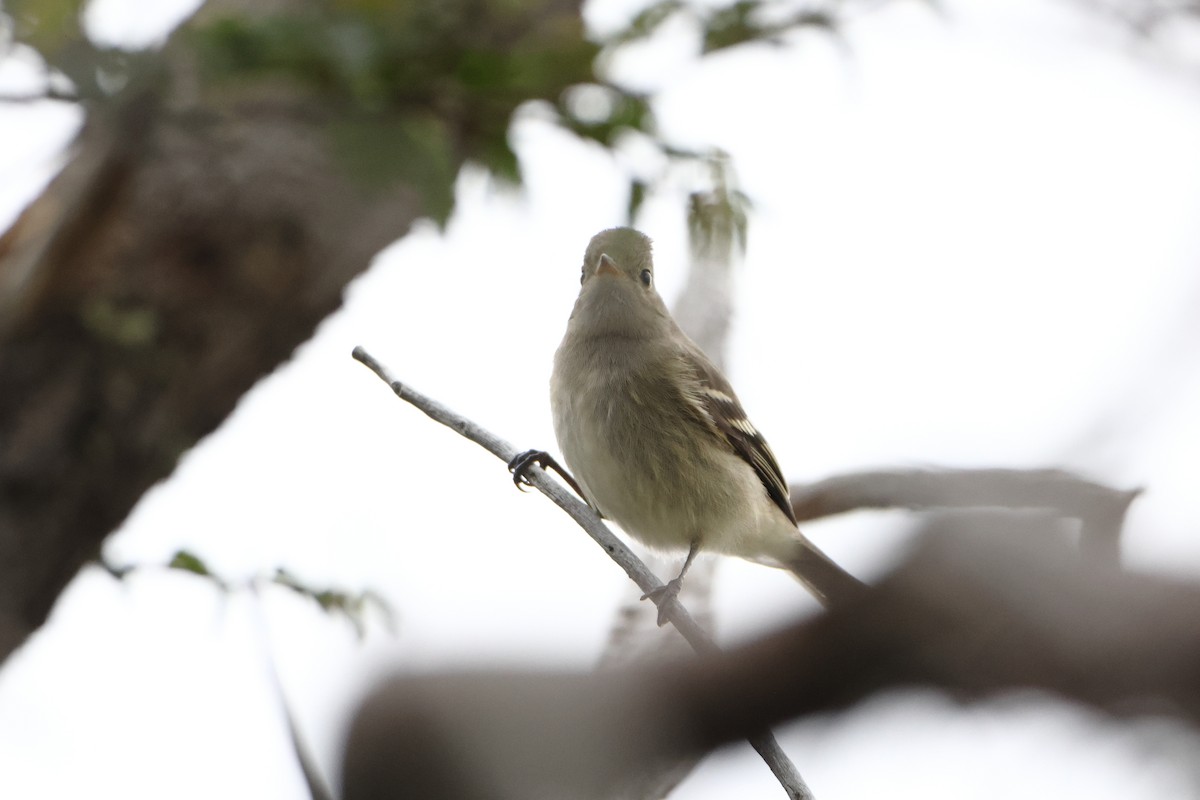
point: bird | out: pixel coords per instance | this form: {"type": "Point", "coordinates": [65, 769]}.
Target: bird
{"type": "Point", "coordinates": [655, 436]}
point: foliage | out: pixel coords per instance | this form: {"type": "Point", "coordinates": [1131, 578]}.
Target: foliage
{"type": "Point", "coordinates": [741, 22]}
{"type": "Point", "coordinates": [46, 25]}
{"type": "Point", "coordinates": [352, 606]}
{"type": "Point", "coordinates": [409, 90]}
{"type": "Point", "coordinates": [720, 27]}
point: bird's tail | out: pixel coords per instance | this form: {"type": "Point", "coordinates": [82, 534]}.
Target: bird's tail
{"type": "Point", "coordinates": [828, 582]}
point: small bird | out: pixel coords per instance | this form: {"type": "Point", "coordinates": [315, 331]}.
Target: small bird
{"type": "Point", "coordinates": [655, 436]}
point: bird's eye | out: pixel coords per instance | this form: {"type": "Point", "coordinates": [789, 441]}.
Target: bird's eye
{"type": "Point", "coordinates": [582, 276]}
{"type": "Point", "coordinates": [646, 277]}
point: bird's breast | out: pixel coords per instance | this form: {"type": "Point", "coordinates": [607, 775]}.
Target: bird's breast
{"type": "Point", "coordinates": [640, 452]}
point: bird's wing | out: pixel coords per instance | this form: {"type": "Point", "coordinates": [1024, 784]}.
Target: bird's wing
{"type": "Point", "coordinates": [716, 400]}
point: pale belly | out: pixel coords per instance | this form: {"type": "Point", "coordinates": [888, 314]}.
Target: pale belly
{"type": "Point", "coordinates": [651, 490]}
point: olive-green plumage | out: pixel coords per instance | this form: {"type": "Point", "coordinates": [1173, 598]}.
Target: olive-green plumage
{"type": "Point", "coordinates": [656, 436]}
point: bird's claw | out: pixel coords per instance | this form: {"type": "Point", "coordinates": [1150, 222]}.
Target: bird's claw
{"type": "Point", "coordinates": [663, 596]}
{"type": "Point", "coordinates": [520, 464]}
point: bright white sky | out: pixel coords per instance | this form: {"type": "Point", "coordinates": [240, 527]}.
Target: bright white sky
{"type": "Point", "coordinates": [973, 243]}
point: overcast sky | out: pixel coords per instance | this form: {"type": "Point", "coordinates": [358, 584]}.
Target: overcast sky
{"type": "Point", "coordinates": [973, 244]}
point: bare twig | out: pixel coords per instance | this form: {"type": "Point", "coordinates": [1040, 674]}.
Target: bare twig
{"type": "Point", "coordinates": [647, 581]}
{"type": "Point", "coordinates": [1100, 509]}
{"type": "Point", "coordinates": [575, 508]}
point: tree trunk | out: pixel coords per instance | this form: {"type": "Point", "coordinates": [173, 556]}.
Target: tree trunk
{"type": "Point", "coordinates": [201, 230]}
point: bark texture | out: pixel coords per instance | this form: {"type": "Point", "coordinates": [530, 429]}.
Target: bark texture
{"type": "Point", "coordinates": [202, 228]}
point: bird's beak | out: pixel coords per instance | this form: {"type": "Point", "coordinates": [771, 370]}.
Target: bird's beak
{"type": "Point", "coordinates": [607, 266]}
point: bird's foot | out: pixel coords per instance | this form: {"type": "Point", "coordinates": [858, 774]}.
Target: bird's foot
{"type": "Point", "coordinates": [520, 465]}
{"type": "Point", "coordinates": [663, 596]}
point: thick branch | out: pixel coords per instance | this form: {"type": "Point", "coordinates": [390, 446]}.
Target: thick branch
{"type": "Point", "coordinates": [587, 519]}
{"type": "Point", "coordinates": [211, 214]}
{"type": "Point", "coordinates": [971, 613]}
{"type": "Point", "coordinates": [1100, 509]}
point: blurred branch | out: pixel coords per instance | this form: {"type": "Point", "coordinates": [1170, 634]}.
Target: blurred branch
{"type": "Point", "coordinates": [717, 235]}
{"type": "Point", "coordinates": [1147, 17]}
{"type": "Point", "coordinates": [617, 550]}
{"type": "Point", "coordinates": [717, 225]}
{"type": "Point", "coordinates": [39, 96]}
{"type": "Point", "coordinates": [318, 788]}
{"type": "Point", "coordinates": [974, 613]}
{"type": "Point", "coordinates": [704, 309]}
{"type": "Point", "coordinates": [970, 613]}
{"type": "Point", "coordinates": [1165, 31]}
{"type": "Point", "coordinates": [1100, 509]}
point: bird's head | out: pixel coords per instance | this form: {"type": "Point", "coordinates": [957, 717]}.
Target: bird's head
{"type": "Point", "coordinates": [617, 296]}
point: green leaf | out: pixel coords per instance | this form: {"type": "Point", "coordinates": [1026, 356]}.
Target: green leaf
{"type": "Point", "coordinates": [334, 601]}
{"type": "Point", "coordinates": [732, 25]}
{"type": "Point", "coordinates": [189, 562]}
{"type": "Point", "coordinates": [648, 21]}
{"type": "Point", "coordinates": [742, 23]}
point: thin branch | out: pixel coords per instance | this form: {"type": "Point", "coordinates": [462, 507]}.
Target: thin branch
{"type": "Point", "coordinates": [647, 581]}
{"type": "Point", "coordinates": [587, 519]}
{"type": "Point", "coordinates": [39, 96]}
{"type": "Point", "coordinates": [1100, 509]}
{"type": "Point", "coordinates": [318, 789]}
